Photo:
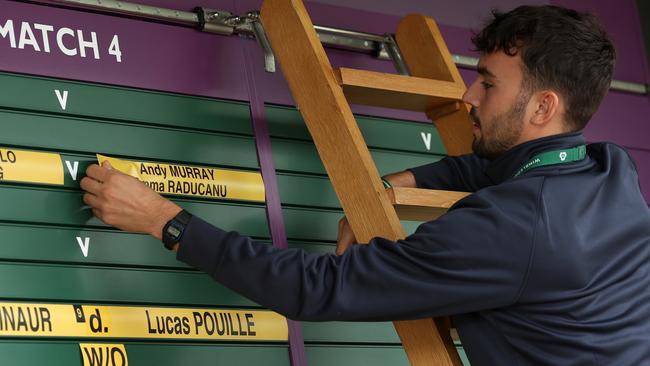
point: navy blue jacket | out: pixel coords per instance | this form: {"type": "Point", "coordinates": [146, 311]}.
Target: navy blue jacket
{"type": "Point", "coordinates": [549, 268]}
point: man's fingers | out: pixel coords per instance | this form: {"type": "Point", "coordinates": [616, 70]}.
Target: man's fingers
{"type": "Point", "coordinates": [91, 200]}
{"type": "Point", "coordinates": [97, 173]}
{"type": "Point", "coordinates": [341, 248]}
{"type": "Point", "coordinates": [345, 238]}
{"type": "Point", "coordinates": [97, 214]}
{"type": "Point", "coordinates": [90, 185]}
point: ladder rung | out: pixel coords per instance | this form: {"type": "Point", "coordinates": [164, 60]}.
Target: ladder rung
{"type": "Point", "coordinates": [397, 91]}
{"type": "Point", "coordinates": [422, 204]}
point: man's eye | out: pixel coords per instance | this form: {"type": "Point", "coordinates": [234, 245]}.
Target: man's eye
{"type": "Point", "coordinates": [486, 85]}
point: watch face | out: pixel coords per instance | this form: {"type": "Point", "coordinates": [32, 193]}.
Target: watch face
{"type": "Point", "coordinates": [173, 230]}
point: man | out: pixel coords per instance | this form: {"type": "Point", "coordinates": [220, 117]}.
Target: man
{"type": "Point", "coordinates": [545, 263]}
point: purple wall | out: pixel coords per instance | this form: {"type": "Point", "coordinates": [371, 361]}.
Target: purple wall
{"type": "Point", "coordinates": [154, 56]}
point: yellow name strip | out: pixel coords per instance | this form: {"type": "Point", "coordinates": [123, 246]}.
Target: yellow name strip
{"type": "Point", "coordinates": [69, 320]}
{"type": "Point", "coordinates": [103, 354]}
{"type": "Point", "coordinates": [30, 166]}
{"type": "Point", "coordinates": [193, 181]}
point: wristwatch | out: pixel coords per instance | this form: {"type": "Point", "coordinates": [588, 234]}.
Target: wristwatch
{"type": "Point", "coordinates": [174, 229]}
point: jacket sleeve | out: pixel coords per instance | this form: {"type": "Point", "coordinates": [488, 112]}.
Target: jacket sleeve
{"type": "Point", "coordinates": [453, 173]}
{"type": "Point", "coordinates": [470, 259]}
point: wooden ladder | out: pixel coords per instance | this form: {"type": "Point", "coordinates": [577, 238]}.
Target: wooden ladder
{"type": "Point", "coordinates": [322, 93]}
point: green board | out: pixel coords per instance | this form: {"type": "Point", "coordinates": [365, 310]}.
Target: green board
{"type": "Point", "coordinates": [45, 228]}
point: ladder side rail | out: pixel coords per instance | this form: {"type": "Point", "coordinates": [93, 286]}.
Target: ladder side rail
{"type": "Point", "coordinates": [344, 153]}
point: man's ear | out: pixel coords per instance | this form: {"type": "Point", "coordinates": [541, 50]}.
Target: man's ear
{"type": "Point", "coordinates": [546, 106]}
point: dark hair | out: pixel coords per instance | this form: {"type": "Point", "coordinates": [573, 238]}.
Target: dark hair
{"type": "Point", "coordinates": [561, 49]}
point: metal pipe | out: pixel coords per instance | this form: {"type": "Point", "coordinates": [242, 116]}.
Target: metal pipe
{"type": "Point", "coordinates": [395, 55]}
{"type": "Point", "coordinates": [349, 34]}
{"type": "Point", "coordinates": [129, 8]}
{"type": "Point", "coordinates": [628, 87]}
{"type": "Point", "coordinates": [468, 62]}
{"type": "Point", "coordinates": [351, 40]}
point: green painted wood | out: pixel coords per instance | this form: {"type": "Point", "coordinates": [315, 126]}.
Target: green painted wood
{"type": "Point", "coordinates": [105, 247]}
{"type": "Point", "coordinates": [302, 157]}
{"type": "Point", "coordinates": [378, 132]}
{"type": "Point", "coordinates": [57, 245]}
{"type": "Point", "coordinates": [118, 103]}
{"type": "Point", "coordinates": [70, 283]}
{"type": "Point", "coordinates": [70, 135]}
{"type": "Point", "coordinates": [349, 355]}
{"type": "Point", "coordinates": [350, 332]}
{"type": "Point", "coordinates": [315, 191]}
{"type": "Point", "coordinates": [208, 355]}
{"type": "Point", "coordinates": [66, 353]}
{"type": "Point", "coordinates": [60, 207]}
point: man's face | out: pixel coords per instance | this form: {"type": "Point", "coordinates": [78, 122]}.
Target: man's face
{"type": "Point", "coordinates": [498, 104]}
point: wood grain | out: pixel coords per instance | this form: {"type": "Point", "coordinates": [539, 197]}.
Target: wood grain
{"type": "Point", "coordinates": [343, 151]}
{"type": "Point", "coordinates": [397, 91]}
{"type": "Point", "coordinates": [422, 204]}
{"type": "Point", "coordinates": [427, 56]}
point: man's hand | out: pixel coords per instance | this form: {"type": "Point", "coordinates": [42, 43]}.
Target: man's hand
{"type": "Point", "coordinates": [346, 237]}
{"type": "Point", "coordinates": [124, 202]}
{"type": "Point", "coordinates": [401, 179]}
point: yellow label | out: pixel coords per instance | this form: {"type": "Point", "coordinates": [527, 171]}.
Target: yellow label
{"type": "Point", "coordinates": [68, 320]}
{"type": "Point", "coordinates": [30, 166]}
{"type": "Point", "coordinates": [193, 181]}
{"type": "Point", "coordinates": [103, 354]}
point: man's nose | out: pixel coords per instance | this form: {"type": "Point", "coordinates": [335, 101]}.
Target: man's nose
{"type": "Point", "coordinates": [470, 96]}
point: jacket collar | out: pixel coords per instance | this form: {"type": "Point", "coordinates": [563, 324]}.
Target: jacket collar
{"type": "Point", "coordinates": [504, 167]}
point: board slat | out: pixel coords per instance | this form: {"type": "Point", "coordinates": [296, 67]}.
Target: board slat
{"type": "Point", "coordinates": [68, 134]}
{"type": "Point", "coordinates": [380, 133]}
{"type": "Point", "coordinates": [119, 103]}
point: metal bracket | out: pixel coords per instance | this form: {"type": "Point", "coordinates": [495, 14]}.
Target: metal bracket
{"type": "Point", "coordinates": [215, 21]}
{"type": "Point", "coordinates": [395, 55]}
{"type": "Point", "coordinates": [253, 19]}
{"type": "Point", "coordinates": [225, 23]}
